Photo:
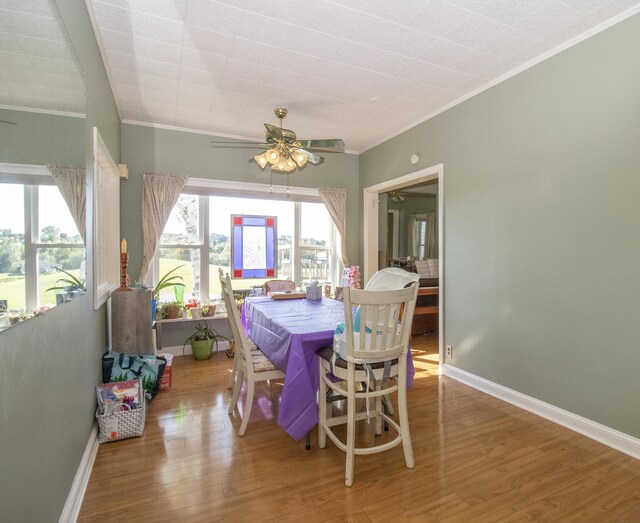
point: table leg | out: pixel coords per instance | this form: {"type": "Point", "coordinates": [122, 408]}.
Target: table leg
{"type": "Point", "coordinates": [307, 441]}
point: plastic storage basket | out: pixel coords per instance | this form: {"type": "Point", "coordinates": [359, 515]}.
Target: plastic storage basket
{"type": "Point", "coordinates": [121, 425]}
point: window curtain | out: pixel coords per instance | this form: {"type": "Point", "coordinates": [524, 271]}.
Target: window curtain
{"type": "Point", "coordinates": [160, 193]}
{"type": "Point", "coordinates": [72, 184]}
{"type": "Point", "coordinates": [413, 238]}
{"type": "Point", "coordinates": [335, 200]}
{"type": "Point", "coordinates": [430, 240]}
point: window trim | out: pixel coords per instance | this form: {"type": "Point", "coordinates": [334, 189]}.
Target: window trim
{"type": "Point", "coordinates": [205, 188]}
{"type": "Point", "coordinates": [30, 176]}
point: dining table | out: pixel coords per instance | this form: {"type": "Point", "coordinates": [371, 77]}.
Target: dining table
{"type": "Point", "coordinates": [289, 332]}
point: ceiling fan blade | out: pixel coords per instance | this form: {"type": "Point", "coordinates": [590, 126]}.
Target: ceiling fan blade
{"type": "Point", "coordinates": [331, 145]}
{"type": "Point", "coordinates": [273, 132]}
{"type": "Point", "coordinates": [222, 145]}
{"type": "Point", "coordinates": [312, 157]}
{"type": "Point", "coordinates": [288, 135]}
{"type": "Point", "coordinates": [239, 142]}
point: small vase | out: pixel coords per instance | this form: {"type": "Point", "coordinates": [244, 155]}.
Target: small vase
{"type": "Point", "coordinates": [196, 313]}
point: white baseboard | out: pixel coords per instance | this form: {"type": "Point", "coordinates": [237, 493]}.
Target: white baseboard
{"type": "Point", "coordinates": [591, 429]}
{"type": "Point", "coordinates": [176, 350]}
{"type": "Point", "coordinates": [72, 506]}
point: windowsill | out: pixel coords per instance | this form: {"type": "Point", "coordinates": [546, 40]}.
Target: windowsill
{"type": "Point", "coordinates": [188, 320]}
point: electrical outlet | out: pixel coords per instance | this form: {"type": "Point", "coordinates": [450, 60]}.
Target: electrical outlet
{"type": "Point", "coordinates": [449, 351]}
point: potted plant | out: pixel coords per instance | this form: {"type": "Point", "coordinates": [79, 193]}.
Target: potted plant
{"type": "Point", "coordinates": [202, 341]}
{"type": "Point", "coordinates": [166, 281]}
{"type": "Point", "coordinates": [171, 310]}
{"type": "Point", "coordinates": [209, 309]}
{"type": "Point", "coordinates": [72, 287]}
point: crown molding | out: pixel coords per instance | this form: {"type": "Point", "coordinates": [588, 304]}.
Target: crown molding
{"type": "Point", "coordinates": [41, 111]}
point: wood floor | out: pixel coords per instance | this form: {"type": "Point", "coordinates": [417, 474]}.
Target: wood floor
{"type": "Point", "coordinates": [477, 459]}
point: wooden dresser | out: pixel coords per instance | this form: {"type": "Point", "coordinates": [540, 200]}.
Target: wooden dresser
{"type": "Point", "coordinates": [425, 317]}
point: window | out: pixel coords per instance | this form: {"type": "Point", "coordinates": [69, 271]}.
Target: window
{"type": "Point", "coordinates": [37, 236]}
{"type": "Point", "coordinates": [200, 240]}
{"type": "Point", "coordinates": [253, 246]}
{"type": "Point", "coordinates": [182, 246]}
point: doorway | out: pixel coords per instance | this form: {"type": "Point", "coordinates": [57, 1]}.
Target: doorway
{"type": "Point", "coordinates": [371, 230]}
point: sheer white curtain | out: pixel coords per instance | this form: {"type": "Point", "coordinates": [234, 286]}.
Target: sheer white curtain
{"type": "Point", "coordinates": [72, 184]}
{"type": "Point", "coordinates": [159, 195]}
{"type": "Point", "coordinates": [335, 200]}
{"type": "Point", "coordinates": [413, 238]}
{"type": "Point", "coordinates": [431, 240]}
{"type": "Point", "coordinates": [423, 231]}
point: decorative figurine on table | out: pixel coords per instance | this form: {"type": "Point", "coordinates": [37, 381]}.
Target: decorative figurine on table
{"type": "Point", "coordinates": [124, 262]}
{"type": "Point", "coordinates": [354, 276]}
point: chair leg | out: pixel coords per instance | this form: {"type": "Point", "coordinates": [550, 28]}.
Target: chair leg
{"type": "Point", "coordinates": [322, 409]}
{"type": "Point", "coordinates": [351, 427]}
{"type": "Point", "coordinates": [236, 390]}
{"type": "Point", "coordinates": [388, 404]}
{"type": "Point", "coordinates": [234, 370]}
{"type": "Point", "coordinates": [247, 407]}
{"type": "Point", "coordinates": [377, 386]}
{"type": "Point", "coordinates": [404, 427]}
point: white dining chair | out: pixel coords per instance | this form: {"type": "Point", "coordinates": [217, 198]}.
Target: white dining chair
{"type": "Point", "coordinates": [373, 355]}
{"type": "Point", "coordinates": [390, 279]}
{"type": "Point", "coordinates": [250, 363]}
{"type": "Point", "coordinates": [279, 286]}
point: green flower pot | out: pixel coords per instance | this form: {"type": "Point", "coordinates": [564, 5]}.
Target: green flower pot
{"type": "Point", "coordinates": [201, 349]}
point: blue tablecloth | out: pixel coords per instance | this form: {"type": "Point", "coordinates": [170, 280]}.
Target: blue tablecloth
{"type": "Point", "coordinates": [289, 332]}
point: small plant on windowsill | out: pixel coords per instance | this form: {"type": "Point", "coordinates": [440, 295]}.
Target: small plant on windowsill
{"type": "Point", "coordinates": [239, 298]}
{"type": "Point", "coordinates": [209, 309]}
{"type": "Point", "coordinates": [171, 310]}
{"type": "Point", "coordinates": [168, 281]}
{"type": "Point", "coordinates": [72, 283]}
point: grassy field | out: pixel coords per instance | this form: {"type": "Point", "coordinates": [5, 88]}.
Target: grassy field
{"type": "Point", "coordinates": [166, 264]}
{"type": "Point", "coordinates": [12, 288]}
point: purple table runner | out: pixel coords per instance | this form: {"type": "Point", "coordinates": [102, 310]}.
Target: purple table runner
{"type": "Point", "coordinates": [290, 332]}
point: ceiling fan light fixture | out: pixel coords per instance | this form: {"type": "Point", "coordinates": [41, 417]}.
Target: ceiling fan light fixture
{"type": "Point", "coordinates": [396, 196]}
{"type": "Point", "coordinates": [273, 156]}
{"type": "Point", "coordinates": [261, 160]}
{"type": "Point", "coordinates": [283, 165]}
{"type": "Point", "coordinates": [300, 158]}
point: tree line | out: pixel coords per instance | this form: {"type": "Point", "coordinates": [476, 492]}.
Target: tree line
{"type": "Point", "coordinates": [220, 247]}
{"type": "Point", "coordinates": [12, 251]}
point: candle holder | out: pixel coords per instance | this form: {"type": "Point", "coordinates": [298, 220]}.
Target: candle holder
{"type": "Point", "coordinates": [124, 262]}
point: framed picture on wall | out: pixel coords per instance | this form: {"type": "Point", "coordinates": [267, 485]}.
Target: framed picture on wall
{"type": "Point", "coordinates": [106, 222]}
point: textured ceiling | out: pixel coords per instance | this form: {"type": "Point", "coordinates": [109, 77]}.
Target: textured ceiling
{"type": "Point", "coordinates": [360, 70]}
{"type": "Point", "coordinates": [37, 63]}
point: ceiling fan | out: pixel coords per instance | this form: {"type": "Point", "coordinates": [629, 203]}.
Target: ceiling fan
{"type": "Point", "coordinates": [284, 151]}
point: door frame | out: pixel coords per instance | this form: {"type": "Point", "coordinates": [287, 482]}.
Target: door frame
{"type": "Point", "coordinates": [371, 230]}
{"type": "Point", "coordinates": [395, 213]}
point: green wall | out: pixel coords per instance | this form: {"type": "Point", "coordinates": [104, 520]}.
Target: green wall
{"type": "Point", "coordinates": [541, 185]}
{"type": "Point", "coordinates": [146, 149]}
{"type": "Point", "coordinates": [39, 138]}
{"type": "Point", "coordinates": [49, 365]}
